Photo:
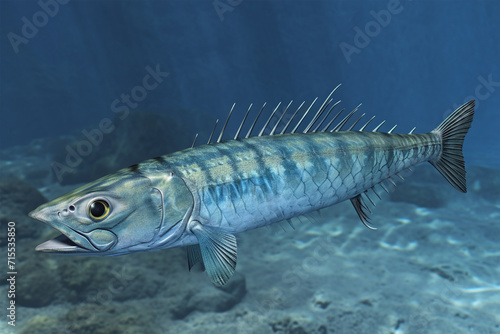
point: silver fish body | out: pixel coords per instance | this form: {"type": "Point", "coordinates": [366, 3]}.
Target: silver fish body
{"type": "Point", "coordinates": [201, 197]}
{"type": "Point", "coordinates": [244, 184]}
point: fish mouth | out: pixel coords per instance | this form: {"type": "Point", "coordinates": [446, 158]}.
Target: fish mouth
{"type": "Point", "coordinates": [69, 242]}
{"type": "Point", "coordinates": [61, 244]}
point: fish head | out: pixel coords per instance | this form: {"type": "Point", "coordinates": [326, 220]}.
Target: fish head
{"type": "Point", "coordinates": [117, 214]}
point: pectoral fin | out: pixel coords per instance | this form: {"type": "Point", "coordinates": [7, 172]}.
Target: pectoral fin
{"type": "Point", "coordinates": [218, 251]}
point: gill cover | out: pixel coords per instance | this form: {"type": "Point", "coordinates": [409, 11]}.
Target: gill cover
{"type": "Point", "coordinates": [177, 203]}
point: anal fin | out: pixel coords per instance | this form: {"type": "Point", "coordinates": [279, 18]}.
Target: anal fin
{"type": "Point", "coordinates": [361, 210]}
{"type": "Point", "coordinates": [388, 185]}
{"type": "Point", "coordinates": [218, 251]}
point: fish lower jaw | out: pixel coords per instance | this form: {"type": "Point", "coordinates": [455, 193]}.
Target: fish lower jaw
{"type": "Point", "coordinates": [61, 245]}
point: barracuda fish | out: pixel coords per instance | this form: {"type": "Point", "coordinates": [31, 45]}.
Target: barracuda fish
{"type": "Point", "coordinates": [201, 197]}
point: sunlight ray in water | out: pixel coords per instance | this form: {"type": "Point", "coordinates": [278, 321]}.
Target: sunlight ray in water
{"type": "Point", "coordinates": [423, 211]}
{"type": "Point", "coordinates": [299, 244]}
{"type": "Point", "coordinates": [453, 241]}
{"type": "Point", "coordinates": [325, 230]}
{"type": "Point", "coordinates": [483, 286]}
{"type": "Point", "coordinates": [403, 220]}
{"type": "Point", "coordinates": [488, 253]}
{"type": "Point", "coordinates": [408, 247]}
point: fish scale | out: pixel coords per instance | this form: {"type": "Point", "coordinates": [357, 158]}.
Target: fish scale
{"type": "Point", "coordinates": [348, 163]}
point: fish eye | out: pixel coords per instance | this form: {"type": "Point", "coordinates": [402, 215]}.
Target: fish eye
{"type": "Point", "coordinates": [99, 209]}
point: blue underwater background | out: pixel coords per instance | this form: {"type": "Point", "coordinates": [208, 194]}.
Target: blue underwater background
{"type": "Point", "coordinates": [89, 87]}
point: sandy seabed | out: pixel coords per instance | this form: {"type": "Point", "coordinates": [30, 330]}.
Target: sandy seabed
{"type": "Point", "coordinates": [424, 270]}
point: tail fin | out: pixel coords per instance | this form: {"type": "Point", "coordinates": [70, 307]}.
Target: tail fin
{"type": "Point", "coordinates": [452, 131]}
